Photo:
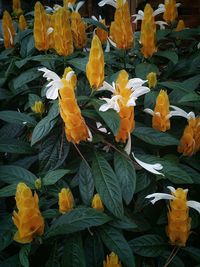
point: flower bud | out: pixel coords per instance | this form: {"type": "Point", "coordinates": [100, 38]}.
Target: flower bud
{"type": "Point", "coordinates": [112, 261]}
{"type": "Point", "coordinates": [38, 107]}
{"type": "Point", "coordinates": [180, 26]}
{"type": "Point", "coordinates": [66, 200]}
{"type": "Point", "coordinates": [97, 203]}
{"type": "Point", "coordinates": [22, 23]}
{"type": "Point", "coordinates": [152, 79]}
{"type": "Point", "coordinates": [38, 183]}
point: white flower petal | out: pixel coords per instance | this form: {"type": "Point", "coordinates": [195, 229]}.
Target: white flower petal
{"type": "Point", "coordinates": [111, 42]}
{"type": "Point", "coordinates": [182, 113]}
{"type": "Point", "coordinates": [71, 7]}
{"type": "Point", "coordinates": [107, 50]}
{"type": "Point", "coordinates": [90, 135]}
{"type": "Point", "coordinates": [138, 16]}
{"type": "Point", "coordinates": [79, 5]}
{"type": "Point", "coordinates": [158, 196]}
{"type": "Point", "coordinates": [56, 7]}
{"type": "Point", "coordinates": [108, 2]}
{"type": "Point", "coordinates": [127, 148]}
{"type": "Point", "coordinates": [107, 86]}
{"type": "Point", "coordinates": [50, 30]}
{"type": "Point", "coordinates": [111, 104]}
{"type": "Point", "coordinates": [149, 167]}
{"type": "Point", "coordinates": [178, 4]}
{"type": "Point", "coordinates": [50, 75]}
{"type": "Point", "coordinates": [11, 38]}
{"type": "Point", "coordinates": [131, 101]}
{"type": "Point", "coordinates": [161, 24]}
{"type": "Point", "coordinates": [135, 82]}
{"type": "Point", "coordinates": [48, 9]}
{"type": "Point", "coordinates": [160, 10]}
{"type": "Point", "coordinates": [69, 75]}
{"type": "Point", "coordinates": [149, 111]}
{"type": "Point", "coordinates": [140, 91]}
{"type": "Point", "coordinates": [100, 128]}
{"type": "Point", "coordinates": [172, 189]}
{"type": "Point", "coordinates": [52, 93]}
{"type": "Point", "coordinates": [194, 204]}
{"type": "Point", "coordinates": [198, 46]}
{"type": "Point", "coordinates": [94, 18]}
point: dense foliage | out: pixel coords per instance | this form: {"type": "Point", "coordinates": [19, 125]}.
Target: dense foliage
{"type": "Point", "coordinates": [88, 197]}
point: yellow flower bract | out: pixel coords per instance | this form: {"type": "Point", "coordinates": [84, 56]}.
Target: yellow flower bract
{"type": "Point", "coordinates": [8, 30]}
{"type": "Point", "coordinates": [97, 203]}
{"type": "Point", "coordinates": [112, 261]}
{"type": "Point", "coordinates": [28, 219]}
{"type": "Point", "coordinates": [66, 200]}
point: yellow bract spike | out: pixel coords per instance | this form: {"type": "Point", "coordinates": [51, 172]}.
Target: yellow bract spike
{"type": "Point", "coordinates": [28, 219]}
{"type": "Point", "coordinates": [190, 140]}
{"type": "Point", "coordinates": [179, 222]}
{"type": "Point", "coordinates": [66, 2]}
{"type": "Point", "coordinates": [148, 33]}
{"type": "Point", "coordinates": [160, 120]}
{"type": "Point", "coordinates": [121, 31]}
{"type": "Point", "coordinates": [180, 26]}
{"type": "Point", "coordinates": [126, 114]}
{"type": "Point", "coordinates": [152, 79]}
{"type": "Point", "coordinates": [97, 203]}
{"type": "Point", "coordinates": [17, 8]}
{"type": "Point", "coordinates": [8, 30]}
{"type": "Point", "coordinates": [22, 23]}
{"type": "Point", "coordinates": [78, 30]}
{"type": "Point", "coordinates": [95, 65]}
{"type": "Point", "coordinates": [75, 127]}
{"type": "Point", "coordinates": [62, 33]}
{"type": "Point", "coordinates": [171, 12]}
{"type": "Point", "coordinates": [41, 25]}
{"type": "Point", "coordinates": [66, 200]}
{"type": "Point", "coordinates": [112, 261]}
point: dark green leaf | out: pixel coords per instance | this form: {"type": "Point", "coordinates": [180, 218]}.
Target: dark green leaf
{"type": "Point", "coordinates": [143, 69]}
{"type": "Point", "coordinates": [148, 245]}
{"type": "Point", "coordinates": [16, 117]}
{"type": "Point", "coordinates": [94, 251]}
{"type": "Point", "coordinates": [76, 220]}
{"type": "Point", "coordinates": [126, 175]}
{"type": "Point", "coordinates": [11, 145]}
{"type": "Point", "coordinates": [6, 238]}
{"type": "Point", "coordinates": [14, 174]}
{"type": "Point", "coordinates": [171, 55]}
{"type": "Point", "coordinates": [115, 241]}
{"type": "Point", "coordinates": [23, 255]}
{"type": "Point", "coordinates": [86, 183]}
{"type": "Point", "coordinates": [154, 137]}
{"type": "Point", "coordinates": [107, 185]}
{"type": "Point", "coordinates": [8, 190]}
{"type": "Point", "coordinates": [191, 97]}
{"type": "Point", "coordinates": [193, 252]}
{"type": "Point", "coordinates": [73, 254]}
{"type": "Point", "coordinates": [79, 63]}
{"type": "Point", "coordinates": [54, 176]}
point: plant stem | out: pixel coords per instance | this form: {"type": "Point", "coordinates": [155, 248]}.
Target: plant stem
{"type": "Point", "coordinates": [171, 256]}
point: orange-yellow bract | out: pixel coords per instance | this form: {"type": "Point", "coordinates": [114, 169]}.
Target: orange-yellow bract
{"type": "Point", "coordinates": [171, 12]}
{"type": "Point", "coordinates": [148, 32]}
{"type": "Point", "coordinates": [66, 2]}
{"type": "Point", "coordinates": [190, 140]}
{"type": "Point", "coordinates": [41, 25]}
{"type": "Point", "coordinates": [16, 6]}
{"type": "Point", "coordinates": [179, 222]}
{"type": "Point", "coordinates": [180, 26]}
{"type": "Point", "coordinates": [78, 30]}
{"type": "Point", "coordinates": [28, 219]}
{"type": "Point", "coordinates": [62, 33]}
{"type": "Point", "coordinates": [101, 33]}
{"type": "Point", "coordinates": [97, 203]}
{"type": "Point", "coordinates": [112, 261]}
{"type": "Point", "coordinates": [22, 23]}
{"type": "Point", "coordinates": [121, 31]}
{"type": "Point", "coordinates": [8, 30]}
{"type": "Point", "coordinates": [160, 120]}
{"type": "Point", "coordinates": [152, 79]}
{"type": "Point", "coordinates": [126, 113]}
{"type": "Point", "coordinates": [95, 65]}
{"type": "Point", "coordinates": [51, 21]}
{"type": "Point", "coordinates": [75, 127]}
{"type": "Point", "coordinates": [66, 200]}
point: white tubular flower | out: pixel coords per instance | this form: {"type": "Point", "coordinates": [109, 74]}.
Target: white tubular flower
{"type": "Point", "coordinates": [140, 14]}
{"type": "Point", "coordinates": [54, 85]}
{"type": "Point", "coordinates": [78, 6]}
{"type": "Point", "coordinates": [161, 24]}
{"type": "Point", "coordinates": [180, 112]}
{"type": "Point", "coordinates": [108, 2]}
{"type": "Point", "coordinates": [153, 168]}
{"type": "Point", "coordinates": [127, 148]}
{"type": "Point", "coordinates": [158, 196]}
{"type": "Point", "coordinates": [90, 138]}
{"type": "Point", "coordinates": [194, 204]}
{"type": "Point", "coordinates": [111, 103]}
{"type": "Point", "coordinates": [100, 128]}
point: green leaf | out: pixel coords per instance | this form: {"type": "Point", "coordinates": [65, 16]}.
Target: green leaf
{"type": "Point", "coordinates": [54, 176]}
{"type": "Point", "coordinates": [73, 254]}
{"type": "Point", "coordinates": [96, 23]}
{"type": "Point", "coordinates": [171, 55]}
{"type": "Point", "coordinates": [12, 261]}
{"type": "Point", "coordinates": [124, 223]}
{"type": "Point", "coordinates": [175, 262]}
{"type": "Point", "coordinates": [17, 117]}
{"type": "Point", "coordinates": [50, 214]}
{"type": "Point", "coordinates": [193, 252]}
{"type": "Point", "coordinates": [23, 255]}
{"type": "Point", "coordinates": [6, 238]}
{"type": "Point", "coordinates": [86, 183]}
{"type": "Point", "coordinates": [110, 117]}
{"type": "Point", "coordinates": [11, 145]}
{"type": "Point", "coordinates": [107, 185]}
{"type": "Point", "coordinates": [173, 85]}
{"type": "Point", "coordinates": [76, 220]}
{"type": "Point", "coordinates": [154, 137]}
{"type": "Point", "coordinates": [143, 180]}
{"type": "Point", "coordinates": [8, 190]}
{"type": "Point", "coordinates": [126, 175]}
{"type": "Point", "coordinates": [4, 94]}
{"type": "Point", "coordinates": [79, 63]}
{"type": "Point", "coordinates": [94, 251]}
{"type": "Point", "coordinates": [115, 241]}
{"type": "Point", "coordinates": [143, 69]}
{"type": "Point", "coordinates": [191, 97]}
{"type": "Point", "coordinates": [148, 245]}
{"type": "Point", "coordinates": [24, 78]}
{"type": "Point", "coordinates": [14, 174]}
